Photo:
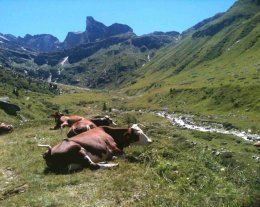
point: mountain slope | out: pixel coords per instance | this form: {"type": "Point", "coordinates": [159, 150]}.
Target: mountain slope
{"type": "Point", "coordinates": [108, 62]}
{"type": "Point", "coordinates": [213, 69]}
{"type": "Point", "coordinates": [101, 56]}
{"type": "Point", "coordinates": [221, 46]}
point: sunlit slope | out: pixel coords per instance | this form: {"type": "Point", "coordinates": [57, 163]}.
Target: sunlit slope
{"type": "Point", "coordinates": [223, 51]}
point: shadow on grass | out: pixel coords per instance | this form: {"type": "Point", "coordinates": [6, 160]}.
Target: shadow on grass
{"type": "Point", "coordinates": [61, 171]}
{"type": "Point", "coordinates": [70, 170]}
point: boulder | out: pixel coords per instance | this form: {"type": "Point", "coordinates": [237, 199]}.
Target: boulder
{"type": "Point", "coordinates": [8, 107]}
{"type": "Point", "coordinates": [257, 144]}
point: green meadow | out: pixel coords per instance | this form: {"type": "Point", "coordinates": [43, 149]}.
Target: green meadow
{"type": "Point", "coordinates": [180, 168]}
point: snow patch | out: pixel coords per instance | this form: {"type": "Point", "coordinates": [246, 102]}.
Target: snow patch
{"type": "Point", "coordinates": [237, 41]}
{"type": "Point", "coordinates": [2, 37]}
{"type": "Point", "coordinates": [49, 79]}
{"type": "Point", "coordinates": [65, 60]}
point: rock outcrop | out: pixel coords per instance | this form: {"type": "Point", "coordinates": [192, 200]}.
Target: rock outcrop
{"type": "Point", "coordinates": [8, 107]}
{"type": "Point", "coordinates": [73, 39]}
{"type": "Point", "coordinates": [41, 43]}
{"type": "Point", "coordinates": [95, 31]}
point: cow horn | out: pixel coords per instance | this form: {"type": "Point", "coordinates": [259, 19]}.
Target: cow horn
{"type": "Point", "coordinates": [44, 145]}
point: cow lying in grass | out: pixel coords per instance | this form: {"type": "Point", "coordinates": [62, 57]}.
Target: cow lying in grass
{"type": "Point", "coordinates": [92, 147]}
{"type": "Point", "coordinates": [85, 125]}
{"type": "Point", "coordinates": [5, 128]}
{"type": "Point", "coordinates": [62, 120]}
{"type": "Point", "coordinates": [79, 124]}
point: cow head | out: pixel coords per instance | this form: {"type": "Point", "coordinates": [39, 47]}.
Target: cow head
{"type": "Point", "coordinates": [9, 128]}
{"type": "Point", "coordinates": [57, 115]}
{"type": "Point", "coordinates": [141, 138]}
{"type": "Point", "coordinates": [4, 128]}
{"type": "Point", "coordinates": [110, 121]}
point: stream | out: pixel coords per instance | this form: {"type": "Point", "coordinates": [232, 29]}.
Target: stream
{"type": "Point", "coordinates": [186, 121]}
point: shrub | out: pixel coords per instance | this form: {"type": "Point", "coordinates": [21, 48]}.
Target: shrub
{"type": "Point", "coordinates": [104, 106]}
{"type": "Point", "coordinates": [129, 119]}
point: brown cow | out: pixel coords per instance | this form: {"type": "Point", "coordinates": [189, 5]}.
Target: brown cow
{"type": "Point", "coordinates": [80, 126]}
{"type": "Point", "coordinates": [85, 125]}
{"type": "Point", "coordinates": [61, 120]}
{"type": "Point", "coordinates": [5, 128]}
{"type": "Point", "coordinates": [90, 148]}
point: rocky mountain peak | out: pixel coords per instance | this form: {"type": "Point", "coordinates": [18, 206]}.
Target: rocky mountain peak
{"type": "Point", "coordinates": [93, 26]}
{"type": "Point", "coordinates": [41, 42]}
{"type": "Point", "coordinates": [95, 31]}
{"type": "Point", "coordinates": [116, 29]}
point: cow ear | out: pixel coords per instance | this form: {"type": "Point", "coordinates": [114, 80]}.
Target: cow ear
{"type": "Point", "coordinates": [135, 134]}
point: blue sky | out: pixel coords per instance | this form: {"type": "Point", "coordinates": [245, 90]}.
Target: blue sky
{"type": "Point", "coordinates": [58, 17]}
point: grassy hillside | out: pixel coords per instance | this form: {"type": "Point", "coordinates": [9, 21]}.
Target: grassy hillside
{"type": "Point", "coordinates": [106, 63]}
{"type": "Point", "coordinates": [107, 67]}
{"type": "Point", "coordinates": [214, 69]}
{"type": "Point", "coordinates": [222, 51]}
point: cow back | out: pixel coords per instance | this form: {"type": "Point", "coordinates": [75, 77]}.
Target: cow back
{"type": "Point", "coordinates": [80, 127]}
{"type": "Point", "coordinates": [95, 141]}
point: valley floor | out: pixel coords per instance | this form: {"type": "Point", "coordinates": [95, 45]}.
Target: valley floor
{"type": "Point", "coordinates": [181, 168]}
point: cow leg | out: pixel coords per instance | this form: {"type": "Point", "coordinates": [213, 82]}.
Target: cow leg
{"type": "Point", "coordinates": [93, 165]}
{"type": "Point", "coordinates": [64, 124]}
{"type": "Point", "coordinates": [114, 149]}
{"type": "Point", "coordinates": [107, 165]}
